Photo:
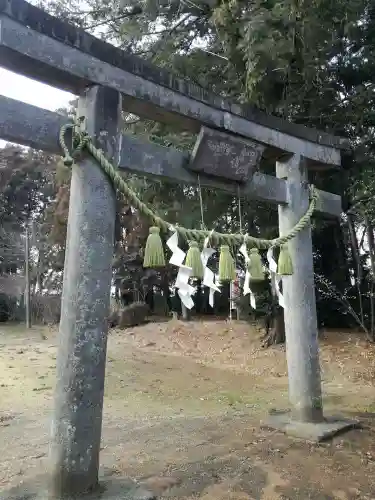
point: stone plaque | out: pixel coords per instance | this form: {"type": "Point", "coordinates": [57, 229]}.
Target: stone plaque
{"type": "Point", "coordinates": [223, 155]}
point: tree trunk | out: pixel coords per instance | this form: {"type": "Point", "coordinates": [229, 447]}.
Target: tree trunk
{"type": "Point", "coordinates": [199, 298]}
{"type": "Point", "coordinates": [186, 314]}
{"type": "Point", "coordinates": [166, 290]}
{"type": "Point", "coordinates": [27, 276]}
{"type": "Point", "coordinates": [371, 245]}
{"type": "Point", "coordinates": [275, 328]}
{"type": "Point", "coordinates": [149, 298]}
{"type": "Point", "coordinates": [357, 268]}
{"type": "Point", "coordinates": [278, 327]}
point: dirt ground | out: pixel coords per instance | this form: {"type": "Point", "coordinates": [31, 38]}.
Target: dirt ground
{"type": "Point", "coordinates": [183, 405]}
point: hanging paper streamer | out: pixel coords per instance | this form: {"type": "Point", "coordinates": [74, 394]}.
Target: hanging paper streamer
{"type": "Point", "coordinates": [275, 278]}
{"type": "Point", "coordinates": [184, 290]}
{"type": "Point", "coordinates": [178, 255]}
{"type": "Point", "coordinates": [208, 275]}
{"type": "Point", "coordinates": [246, 287]}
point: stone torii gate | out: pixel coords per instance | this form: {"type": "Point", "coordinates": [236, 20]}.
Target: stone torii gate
{"type": "Point", "coordinates": [107, 81]}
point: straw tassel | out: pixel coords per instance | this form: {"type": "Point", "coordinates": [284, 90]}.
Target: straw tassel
{"type": "Point", "coordinates": [227, 268]}
{"type": "Point", "coordinates": [285, 264]}
{"type": "Point", "coordinates": [255, 266]}
{"type": "Point", "coordinates": [154, 252]}
{"type": "Point", "coordinates": [194, 260]}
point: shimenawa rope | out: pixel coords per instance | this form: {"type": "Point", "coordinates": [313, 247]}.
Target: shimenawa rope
{"type": "Point", "coordinates": [81, 141]}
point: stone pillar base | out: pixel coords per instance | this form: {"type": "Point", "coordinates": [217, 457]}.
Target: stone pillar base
{"type": "Point", "coordinates": [109, 489]}
{"type": "Point", "coordinates": [315, 432]}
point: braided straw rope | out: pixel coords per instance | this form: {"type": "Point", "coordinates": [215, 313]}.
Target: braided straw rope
{"type": "Point", "coordinates": [81, 141]}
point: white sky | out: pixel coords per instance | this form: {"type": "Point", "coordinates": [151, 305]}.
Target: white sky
{"type": "Point", "coordinates": [32, 92]}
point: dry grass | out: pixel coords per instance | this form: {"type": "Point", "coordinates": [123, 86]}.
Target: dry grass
{"type": "Point", "coordinates": [179, 393]}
